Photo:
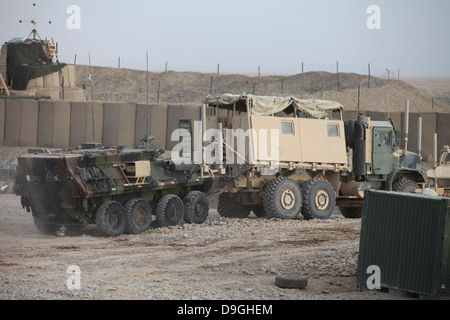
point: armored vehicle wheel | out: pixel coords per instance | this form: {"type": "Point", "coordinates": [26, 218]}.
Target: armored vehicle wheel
{"type": "Point", "coordinates": [196, 207]}
{"type": "Point", "coordinates": [282, 198]}
{"type": "Point", "coordinates": [351, 212]}
{"type": "Point", "coordinates": [230, 208]}
{"type": "Point", "coordinates": [139, 215]}
{"type": "Point", "coordinates": [169, 211]}
{"type": "Point", "coordinates": [44, 227]}
{"type": "Point", "coordinates": [406, 186]}
{"type": "Point", "coordinates": [319, 199]}
{"type": "Point", "coordinates": [110, 218]}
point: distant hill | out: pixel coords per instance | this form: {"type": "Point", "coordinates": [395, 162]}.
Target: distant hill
{"type": "Point", "coordinates": [126, 85]}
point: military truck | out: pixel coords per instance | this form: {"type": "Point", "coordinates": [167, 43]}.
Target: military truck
{"type": "Point", "coordinates": [317, 159]}
{"type": "Point", "coordinates": [439, 177]}
{"type": "Point", "coordinates": [117, 189]}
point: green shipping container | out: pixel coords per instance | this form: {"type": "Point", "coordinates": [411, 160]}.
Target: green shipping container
{"type": "Point", "coordinates": [404, 243]}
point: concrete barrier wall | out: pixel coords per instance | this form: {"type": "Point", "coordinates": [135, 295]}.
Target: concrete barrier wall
{"type": "Point", "coordinates": [13, 113]}
{"type": "Point", "coordinates": [174, 113]}
{"type": "Point", "coordinates": [56, 124]}
{"type": "Point", "coordinates": [82, 129]}
{"type": "Point", "coordinates": [428, 130]}
{"type": "Point", "coordinates": [157, 124]}
{"type": "Point", "coordinates": [45, 124]}
{"type": "Point", "coordinates": [443, 130]}
{"type": "Point", "coordinates": [29, 123]}
{"type": "Point", "coordinates": [119, 124]}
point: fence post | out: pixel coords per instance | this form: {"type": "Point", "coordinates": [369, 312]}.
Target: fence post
{"type": "Point", "coordinates": [210, 85]}
{"type": "Point", "coordinates": [159, 86]}
{"type": "Point", "coordinates": [337, 73]}
{"type": "Point", "coordinates": [359, 94]}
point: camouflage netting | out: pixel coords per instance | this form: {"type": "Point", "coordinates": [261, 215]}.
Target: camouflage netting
{"type": "Point", "coordinates": [29, 60]}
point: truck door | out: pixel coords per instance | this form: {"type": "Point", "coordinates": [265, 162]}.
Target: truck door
{"type": "Point", "coordinates": [382, 151]}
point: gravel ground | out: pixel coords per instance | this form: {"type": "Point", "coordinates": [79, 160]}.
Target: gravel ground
{"type": "Point", "coordinates": [222, 259]}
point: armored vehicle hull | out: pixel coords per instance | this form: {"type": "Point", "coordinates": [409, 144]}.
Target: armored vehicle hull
{"type": "Point", "coordinates": [117, 189]}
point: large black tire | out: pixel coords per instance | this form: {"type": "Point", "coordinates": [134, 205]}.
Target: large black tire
{"type": "Point", "coordinates": [196, 207]}
{"type": "Point", "coordinates": [169, 211]}
{"type": "Point", "coordinates": [139, 216]}
{"type": "Point", "coordinates": [351, 212]}
{"type": "Point", "coordinates": [291, 281]}
{"type": "Point", "coordinates": [45, 227]}
{"type": "Point", "coordinates": [406, 186]}
{"type": "Point", "coordinates": [319, 199]}
{"type": "Point", "coordinates": [110, 219]}
{"type": "Point", "coordinates": [230, 208]}
{"type": "Point", "coordinates": [282, 199]}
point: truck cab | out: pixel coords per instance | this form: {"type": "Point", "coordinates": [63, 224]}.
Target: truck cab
{"type": "Point", "coordinates": [379, 163]}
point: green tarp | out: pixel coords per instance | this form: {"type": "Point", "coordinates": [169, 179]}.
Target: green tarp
{"type": "Point", "coordinates": [264, 105]}
{"type": "Point", "coordinates": [29, 60]}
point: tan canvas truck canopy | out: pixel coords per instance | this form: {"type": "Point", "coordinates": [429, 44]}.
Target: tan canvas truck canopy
{"type": "Point", "coordinates": [267, 105]}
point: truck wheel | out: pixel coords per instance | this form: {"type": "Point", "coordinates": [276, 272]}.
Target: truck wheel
{"type": "Point", "coordinates": [139, 215]}
{"type": "Point", "coordinates": [282, 198]}
{"type": "Point", "coordinates": [196, 207]}
{"type": "Point", "coordinates": [406, 186]}
{"type": "Point", "coordinates": [44, 227]}
{"type": "Point", "coordinates": [351, 212]}
{"type": "Point", "coordinates": [110, 218]}
{"type": "Point", "coordinates": [230, 208]}
{"type": "Point", "coordinates": [169, 211]}
{"type": "Point", "coordinates": [319, 199]}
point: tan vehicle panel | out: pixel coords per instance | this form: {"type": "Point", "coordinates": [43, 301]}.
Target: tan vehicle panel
{"type": "Point", "coordinates": [302, 140]}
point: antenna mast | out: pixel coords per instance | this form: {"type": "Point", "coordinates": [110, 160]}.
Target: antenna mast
{"type": "Point", "coordinates": [34, 23]}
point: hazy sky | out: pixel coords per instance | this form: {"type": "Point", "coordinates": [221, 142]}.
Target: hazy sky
{"type": "Point", "coordinates": [196, 35]}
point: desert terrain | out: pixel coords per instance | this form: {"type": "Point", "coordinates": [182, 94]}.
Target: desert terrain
{"type": "Point", "coordinates": [126, 85]}
{"type": "Point", "coordinates": [222, 259]}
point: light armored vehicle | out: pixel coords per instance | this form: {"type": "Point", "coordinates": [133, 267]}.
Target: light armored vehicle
{"type": "Point", "coordinates": [117, 189]}
{"type": "Point", "coordinates": [285, 156]}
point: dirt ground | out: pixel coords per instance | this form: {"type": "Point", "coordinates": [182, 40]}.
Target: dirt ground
{"type": "Point", "coordinates": [222, 259]}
